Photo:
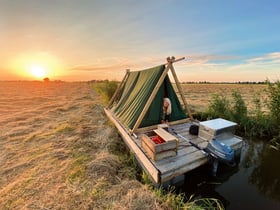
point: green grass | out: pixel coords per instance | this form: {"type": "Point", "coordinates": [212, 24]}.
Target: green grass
{"type": "Point", "coordinates": [106, 89]}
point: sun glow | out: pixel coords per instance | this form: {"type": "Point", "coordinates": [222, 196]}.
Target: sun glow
{"type": "Point", "coordinates": [38, 71]}
{"type": "Point", "coordinates": [36, 66]}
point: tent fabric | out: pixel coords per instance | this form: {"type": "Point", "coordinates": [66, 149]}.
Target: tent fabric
{"type": "Point", "coordinates": [135, 92]}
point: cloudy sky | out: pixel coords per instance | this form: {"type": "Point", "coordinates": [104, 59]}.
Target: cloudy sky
{"type": "Point", "coordinates": [99, 39]}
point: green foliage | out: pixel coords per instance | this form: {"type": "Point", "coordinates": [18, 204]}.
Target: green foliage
{"type": "Point", "coordinates": [273, 104]}
{"type": "Point", "coordinates": [257, 110]}
{"type": "Point", "coordinates": [171, 198]}
{"type": "Point", "coordinates": [274, 100]}
{"type": "Point", "coordinates": [106, 89]}
{"type": "Point", "coordinates": [234, 109]}
{"type": "Point", "coordinates": [145, 178]}
{"type": "Point", "coordinates": [219, 107]}
{"type": "Point", "coordinates": [205, 203]}
{"type": "Point", "coordinates": [239, 108]}
{"type": "Point", "coordinates": [256, 123]}
{"type": "Point", "coordinates": [179, 201]}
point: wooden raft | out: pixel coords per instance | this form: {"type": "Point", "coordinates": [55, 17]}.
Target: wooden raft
{"type": "Point", "coordinates": [187, 158]}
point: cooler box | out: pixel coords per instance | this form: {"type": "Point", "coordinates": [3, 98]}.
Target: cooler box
{"type": "Point", "coordinates": [217, 128]}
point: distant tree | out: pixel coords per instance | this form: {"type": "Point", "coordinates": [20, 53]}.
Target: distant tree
{"type": "Point", "coordinates": [46, 79]}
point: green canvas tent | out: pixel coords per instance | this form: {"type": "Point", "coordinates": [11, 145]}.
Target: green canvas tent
{"type": "Point", "coordinates": [138, 101]}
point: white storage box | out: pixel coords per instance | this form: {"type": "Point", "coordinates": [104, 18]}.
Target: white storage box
{"type": "Point", "coordinates": [217, 128]}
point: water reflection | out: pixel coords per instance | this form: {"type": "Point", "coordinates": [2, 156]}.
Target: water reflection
{"type": "Point", "coordinates": [266, 172]}
{"type": "Point", "coordinates": [200, 184]}
{"type": "Point", "coordinates": [253, 184]}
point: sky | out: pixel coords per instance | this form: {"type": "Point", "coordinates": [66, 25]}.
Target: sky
{"type": "Point", "coordinates": [222, 41]}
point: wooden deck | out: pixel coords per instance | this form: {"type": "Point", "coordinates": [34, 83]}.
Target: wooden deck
{"type": "Point", "coordinates": [187, 158]}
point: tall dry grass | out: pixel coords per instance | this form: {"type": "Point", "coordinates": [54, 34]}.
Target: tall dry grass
{"type": "Point", "coordinates": [55, 147]}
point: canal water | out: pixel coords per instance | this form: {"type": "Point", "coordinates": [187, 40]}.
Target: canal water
{"type": "Point", "coordinates": [253, 184]}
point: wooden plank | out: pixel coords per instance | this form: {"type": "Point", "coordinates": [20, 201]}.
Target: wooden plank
{"type": "Point", "coordinates": [184, 156]}
{"type": "Point", "coordinates": [139, 154]}
{"type": "Point", "coordinates": [182, 126]}
{"type": "Point", "coordinates": [190, 163]}
{"type": "Point", "coordinates": [141, 130]}
{"type": "Point", "coordinates": [165, 135]}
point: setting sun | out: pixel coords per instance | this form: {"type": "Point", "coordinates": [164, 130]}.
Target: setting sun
{"type": "Point", "coordinates": [37, 65]}
{"type": "Point", "coordinates": [38, 71]}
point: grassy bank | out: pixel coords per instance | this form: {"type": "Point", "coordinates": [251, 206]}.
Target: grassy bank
{"type": "Point", "coordinates": [58, 151]}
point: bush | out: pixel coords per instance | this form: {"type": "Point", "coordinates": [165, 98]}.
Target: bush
{"type": "Point", "coordinates": [106, 89]}
{"type": "Point", "coordinates": [219, 107]}
{"type": "Point", "coordinates": [273, 101]}
{"type": "Point", "coordinates": [239, 108]}
{"type": "Point", "coordinates": [235, 109]}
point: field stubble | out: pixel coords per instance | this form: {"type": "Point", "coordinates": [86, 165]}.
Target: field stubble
{"type": "Point", "coordinates": [55, 154]}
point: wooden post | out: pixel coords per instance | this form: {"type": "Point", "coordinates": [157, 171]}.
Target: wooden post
{"type": "Point", "coordinates": [173, 60]}
{"type": "Point", "coordinates": [151, 98]}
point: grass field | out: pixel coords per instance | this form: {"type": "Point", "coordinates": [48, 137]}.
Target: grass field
{"type": "Point", "coordinates": [58, 150]}
{"type": "Point", "coordinates": [198, 96]}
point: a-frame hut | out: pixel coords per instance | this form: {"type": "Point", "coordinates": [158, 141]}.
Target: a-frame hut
{"type": "Point", "coordinates": [136, 110]}
{"type": "Point", "coordinates": [138, 101]}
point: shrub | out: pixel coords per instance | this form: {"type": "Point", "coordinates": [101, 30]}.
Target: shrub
{"type": "Point", "coordinates": [106, 89]}
{"type": "Point", "coordinates": [273, 101]}
{"type": "Point", "coordinates": [219, 107]}
{"type": "Point", "coordinates": [235, 109]}
{"type": "Point", "coordinates": [238, 110]}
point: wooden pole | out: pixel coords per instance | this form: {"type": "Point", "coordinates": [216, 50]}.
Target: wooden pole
{"type": "Point", "coordinates": [180, 89]}
{"type": "Point", "coordinates": [173, 60]}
